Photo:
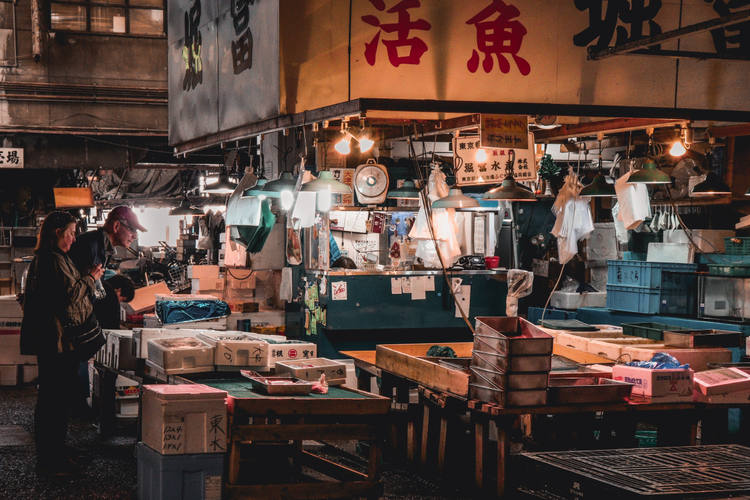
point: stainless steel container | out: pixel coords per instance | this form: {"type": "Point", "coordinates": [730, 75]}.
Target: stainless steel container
{"type": "Point", "coordinates": [513, 336]}
{"type": "Point", "coordinates": [508, 381]}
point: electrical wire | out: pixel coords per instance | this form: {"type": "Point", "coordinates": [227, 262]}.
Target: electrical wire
{"type": "Point", "coordinates": [229, 272]}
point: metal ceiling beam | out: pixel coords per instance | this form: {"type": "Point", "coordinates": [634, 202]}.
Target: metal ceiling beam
{"type": "Point", "coordinates": [676, 54]}
{"type": "Point", "coordinates": [625, 48]}
{"type": "Point", "coordinates": [604, 126]}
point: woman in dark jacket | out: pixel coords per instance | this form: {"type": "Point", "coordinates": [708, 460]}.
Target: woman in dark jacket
{"type": "Point", "coordinates": [56, 296]}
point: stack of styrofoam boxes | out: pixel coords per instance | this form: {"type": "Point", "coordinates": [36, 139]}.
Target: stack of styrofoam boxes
{"type": "Point", "coordinates": [184, 430]}
{"type": "Point", "coordinates": [240, 290]}
{"type": "Point", "coordinates": [601, 246]}
{"type": "Point", "coordinates": [222, 248]}
{"type": "Point", "coordinates": [206, 280]}
{"type": "Point", "coordinates": [235, 350]}
{"type": "Point", "coordinates": [119, 350]}
{"type": "Point", "coordinates": [185, 246]}
{"type": "Point", "coordinates": [11, 316]}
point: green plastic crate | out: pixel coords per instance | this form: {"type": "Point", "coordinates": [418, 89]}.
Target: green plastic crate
{"type": "Point", "coordinates": [737, 246]}
{"type": "Point", "coordinates": [654, 331]}
{"type": "Point", "coordinates": [738, 270]}
{"type": "Point", "coordinates": [646, 439]}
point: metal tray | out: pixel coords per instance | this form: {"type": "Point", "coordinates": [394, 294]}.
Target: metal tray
{"type": "Point", "coordinates": [278, 386]}
{"type": "Point", "coordinates": [513, 336]}
{"type": "Point", "coordinates": [703, 338]}
{"type": "Point", "coordinates": [587, 389]}
{"type": "Point", "coordinates": [510, 364]}
{"type": "Point", "coordinates": [536, 397]}
{"type": "Point", "coordinates": [508, 381]}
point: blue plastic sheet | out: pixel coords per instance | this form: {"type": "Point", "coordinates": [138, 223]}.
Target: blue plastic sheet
{"type": "Point", "coordinates": [180, 311]}
{"type": "Point", "coordinates": [660, 361]}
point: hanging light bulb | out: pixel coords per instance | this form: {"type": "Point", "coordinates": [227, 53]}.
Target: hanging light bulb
{"type": "Point", "coordinates": [480, 156]}
{"type": "Point", "coordinates": [677, 149]}
{"type": "Point", "coordinates": [287, 199]}
{"type": "Point", "coordinates": [365, 143]}
{"type": "Point", "coordinates": [344, 146]}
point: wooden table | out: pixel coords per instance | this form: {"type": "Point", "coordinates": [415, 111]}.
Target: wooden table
{"type": "Point", "coordinates": [342, 414]}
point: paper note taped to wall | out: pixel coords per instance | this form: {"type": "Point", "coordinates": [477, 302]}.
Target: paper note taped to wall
{"type": "Point", "coordinates": [339, 290]}
{"type": "Point", "coordinates": [463, 300]}
{"type": "Point", "coordinates": [405, 285]}
{"type": "Point", "coordinates": [429, 285]}
{"type": "Point", "coordinates": [417, 288]}
{"type": "Point", "coordinates": [395, 286]}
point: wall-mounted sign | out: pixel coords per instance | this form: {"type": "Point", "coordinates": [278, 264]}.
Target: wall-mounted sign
{"type": "Point", "coordinates": [504, 131]}
{"type": "Point", "coordinates": [469, 171]}
{"type": "Point", "coordinates": [11, 157]}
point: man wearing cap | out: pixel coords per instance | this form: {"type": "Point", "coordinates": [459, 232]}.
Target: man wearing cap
{"type": "Point", "coordinates": [96, 247]}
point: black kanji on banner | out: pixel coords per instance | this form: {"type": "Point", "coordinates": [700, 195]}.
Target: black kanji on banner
{"type": "Point", "coordinates": [242, 46]}
{"type": "Point", "coordinates": [603, 25]}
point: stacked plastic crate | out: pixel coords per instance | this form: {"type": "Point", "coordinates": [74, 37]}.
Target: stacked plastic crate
{"type": "Point", "coordinates": [652, 287]}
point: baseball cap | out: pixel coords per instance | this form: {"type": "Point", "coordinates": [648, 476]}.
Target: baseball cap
{"type": "Point", "coordinates": [125, 214]}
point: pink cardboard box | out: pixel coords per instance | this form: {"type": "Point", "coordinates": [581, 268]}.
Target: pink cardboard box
{"type": "Point", "coordinates": [664, 385]}
{"type": "Point", "coordinates": [722, 380]}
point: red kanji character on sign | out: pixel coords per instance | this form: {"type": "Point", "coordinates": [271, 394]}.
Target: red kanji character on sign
{"type": "Point", "coordinates": [503, 35]}
{"type": "Point", "coordinates": [416, 46]}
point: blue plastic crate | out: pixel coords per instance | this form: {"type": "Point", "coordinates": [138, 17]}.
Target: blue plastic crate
{"type": "Point", "coordinates": [634, 256]}
{"type": "Point", "coordinates": [654, 275]}
{"type": "Point", "coordinates": [166, 477]}
{"type": "Point", "coordinates": [651, 300]}
{"type": "Point", "coordinates": [721, 259]}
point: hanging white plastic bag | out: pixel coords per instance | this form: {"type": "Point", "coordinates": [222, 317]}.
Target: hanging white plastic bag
{"type": "Point", "coordinates": [635, 205]}
{"type": "Point", "coordinates": [620, 232]}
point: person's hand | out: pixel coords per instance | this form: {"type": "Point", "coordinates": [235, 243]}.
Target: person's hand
{"type": "Point", "coordinates": [96, 272]}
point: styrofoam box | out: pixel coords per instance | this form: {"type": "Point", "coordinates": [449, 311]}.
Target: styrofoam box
{"type": "Point", "coordinates": [287, 351]}
{"type": "Point", "coordinates": [204, 271]}
{"type": "Point", "coordinates": [664, 385]}
{"type": "Point", "coordinates": [312, 369]}
{"type": "Point", "coordinates": [126, 388]}
{"type": "Point", "coordinates": [737, 397]}
{"type": "Point", "coordinates": [722, 380]}
{"type": "Point", "coordinates": [119, 350]}
{"type": "Point", "coordinates": [275, 317]}
{"type": "Point", "coordinates": [8, 374]}
{"type": "Point", "coordinates": [181, 355]}
{"type": "Point", "coordinates": [612, 348]}
{"type": "Point", "coordinates": [571, 340]}
{"type": "Point", "coordinates": [575, 300]}
{"type": "Point", "coordinates": [236, 349]}
{"type": "Point", "coordinates": [174, 477]}
{"type": "Point", "coordinates": [126, 408]}
{"type": "Point", "coordinates": [141, 336]}
{"type": "Point", "coordinates": [184, 418]}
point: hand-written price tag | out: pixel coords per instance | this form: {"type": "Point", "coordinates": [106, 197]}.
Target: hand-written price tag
{"type": "Point", "coordinates": [173, 439]}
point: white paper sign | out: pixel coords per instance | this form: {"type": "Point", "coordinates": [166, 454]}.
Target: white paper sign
{"type": "Point", "coordinates": [395, 286]}
{"type": "Point", "coordinates": [491, 171]}
{"type": "Point", "coordinates": [405, 285]}
{"type": "Point", "coordinates": [429, 285]}
{"type": "Point", "coordinates": [463, 299]}
{"type": "Point", "coordinates": [11, 157]}
{"type": "Point", "coordinates": [418, 288]}
{"type": "Point", "coordinates": [339, 290]}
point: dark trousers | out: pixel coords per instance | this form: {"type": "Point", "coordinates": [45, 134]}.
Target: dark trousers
{"type": "Point", "coordinates": [58, 388]}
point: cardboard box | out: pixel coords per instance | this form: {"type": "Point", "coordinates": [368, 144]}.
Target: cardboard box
{"type": "Point", "coordinates": [663, 385]}
{"type": "Point", "coordinates": [737, 397]}
{"type": "Point", "coordinates": [722, 381]}
{"type": "Point", "coordinates": [236, 349]}
{"type": "Point", "coordinates": [8, 374]}
{"type": "Point", "coordinates": [574, 341]}
{"type": "Point", "coordinates": [612, 348]}
{"type": "Point", "coordinates": [181, 355]}
{"type": "Point", "coordinates": [145, 298]}
{"type": "Point", "coordinates": [312, 369]}
{"type": "Point", "coordinates": [201, 272]}
{"type": "Point", "coordinates": [186, 418]}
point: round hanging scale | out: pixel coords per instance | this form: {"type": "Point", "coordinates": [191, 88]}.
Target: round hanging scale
{"type": "Point", "coordinates": [371, 182]}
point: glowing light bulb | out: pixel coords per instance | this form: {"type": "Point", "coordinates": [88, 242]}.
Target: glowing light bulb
{"type": "Point", "coordinates": [677, 149]}
{"type": "Point", "coordinates": [287, 200]}
{"type": "Point", "coordinates": [365, 143]}
{"type": "Point", "coordinates": [343, 146]}
{"type": "Point", "coordinates": [261, 197]}
{"type": "Point", "coordinates": [481, 156]}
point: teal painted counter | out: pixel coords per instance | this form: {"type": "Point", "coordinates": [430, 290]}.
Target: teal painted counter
{"type": "Point", "coordinates": [370, 303]}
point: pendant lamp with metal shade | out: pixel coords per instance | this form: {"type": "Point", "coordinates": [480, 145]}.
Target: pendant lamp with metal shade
{"type": "Point", "coordinates": [407, 191]}
{"type": "Point", "coordinates": [257, 190]}
{"type": "Point", "coordinates": [649, 172]}
{"type": "Point", "coordinates": [509, 190]}
{"type": "Point", "coordinates": [326, 186]}
{"type": "Point", "coordinates": [455, 199]}
{"type": "Point", "coordinates": [712, 186]}
{"type": "Point", "coordinates": [599, 187]}
{"type": "Point", "coordinates": [222, 186]}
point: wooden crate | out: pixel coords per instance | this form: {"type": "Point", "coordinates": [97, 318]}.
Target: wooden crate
{"type": "Point", "coordinates": [407, 361]}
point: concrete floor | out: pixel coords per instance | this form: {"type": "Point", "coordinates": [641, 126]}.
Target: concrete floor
{"type": "Point", "coordinates": [112, 471]}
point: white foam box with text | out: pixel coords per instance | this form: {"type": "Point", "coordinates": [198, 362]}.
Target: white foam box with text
{"type": "Point", "coordinates": [722, 380]}
{"type": "Point", "coordinates": [141, 336]}
{"type": "Point", "coordinates": [236, 349]}
{"type": "Point", "coordinates": [664, 385]}
{"type": "Point", "coordinates": [184, 418]}
{"type": "Point", "coordinates": [181, 355]}
{"type": "Point", "coordinates": [289, 350]}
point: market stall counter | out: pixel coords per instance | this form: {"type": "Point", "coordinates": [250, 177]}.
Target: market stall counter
{"type": "Point", "coordinates": [259, 422]}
